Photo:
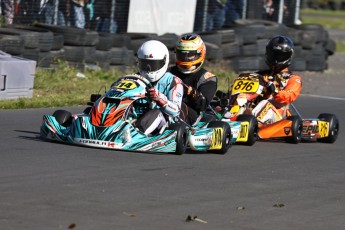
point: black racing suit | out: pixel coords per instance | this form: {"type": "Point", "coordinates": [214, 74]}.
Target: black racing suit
{"type": "Point", "coordinates": [204, 84]}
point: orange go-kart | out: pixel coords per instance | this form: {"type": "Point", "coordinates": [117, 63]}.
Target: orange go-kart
{"type": "Point", "coordinates": [247, 91]}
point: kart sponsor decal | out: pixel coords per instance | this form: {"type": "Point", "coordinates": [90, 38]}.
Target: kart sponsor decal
{"type": "Point", "coordinates": [287, 130]}
{"type": "Point", "coordinates": [264, 111]}
{"type": "Point", "coordinates": [203, 140]}
{"type": "Point", "coordinates": [243, 136]}
{"type": "Point", "coordinates": [98, 143]}
{"type": "Point", "coordinates": [310, 129]}
{"type": "Point", "coordinates": [323, 128]}
{"type": "Point", "coordinates": [208, 75]}
{"type": "Point", "coordinates": [126, 84]}
{"type": "Point", "coordinates": [217, 139]}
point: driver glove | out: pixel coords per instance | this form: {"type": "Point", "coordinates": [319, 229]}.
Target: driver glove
{"type": "Point", "coordinates": [271, 88]}
{"type": "Point", "coordinates": [156, 96]}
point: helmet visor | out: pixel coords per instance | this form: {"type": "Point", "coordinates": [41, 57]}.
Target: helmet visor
{"type": "Point", "coordinates": [187, 56]}
{"type": "Point", "coordinates": [282, 56]}
{"type": "Point", "coordinates": [279, 56]}
{"type": "Point", "coordinates": [150, 65]}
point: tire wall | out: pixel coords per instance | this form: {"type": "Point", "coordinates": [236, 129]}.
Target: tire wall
{"type": "Point", "coordinates": [242, 46]}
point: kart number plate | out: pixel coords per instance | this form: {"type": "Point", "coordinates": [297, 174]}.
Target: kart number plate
{"type": "Point", "coordinates": [217, 139]}
{"type": "Point", "coordinates": [323, 128]}
{"type": "Point", "coordinates": [126, 85]}
{"type": "Point", "coordinates": [245, 86]}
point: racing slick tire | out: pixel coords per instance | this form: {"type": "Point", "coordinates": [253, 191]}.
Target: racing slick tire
{"type": "Point", "coordinates": [181, 137]}
{"type": "Point", "coordinates": [333, 129]}
{"type": "Point", "coordinates": [296, 128]}
{"type": "Point", "coordinates": [252, 130]}
{"type": "Point", "coordinates": [63, 117]}
{"type": "Point", "coordinates": [226, 138]}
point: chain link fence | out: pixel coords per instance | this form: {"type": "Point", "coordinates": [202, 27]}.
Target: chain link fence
{"type": "Point", "coordinates": [112, 15]}
{"type": "Point", "coordinates": [95, 32]}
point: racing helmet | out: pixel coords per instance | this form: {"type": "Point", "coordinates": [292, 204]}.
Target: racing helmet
{"type": "Point", "coordinates": [279, 52]}
{"type": "Point", "coordinates": [153, 60]}
{"type": "Point", "coordinates": [190, 53]}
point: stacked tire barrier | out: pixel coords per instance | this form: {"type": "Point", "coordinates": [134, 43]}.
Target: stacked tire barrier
{"type": "Point", "coordinates": [242, 46]}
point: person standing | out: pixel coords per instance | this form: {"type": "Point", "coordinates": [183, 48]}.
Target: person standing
{"type": "Point", "coordinates": [215, 14]}
{"type": "Point", "coordinates": [49, 12]}
{"type": "Point", "coordinates": [233, 12]}
{"type": "Point", "coordinates": [103, 20]}
{"type": "Point", "coordinates": [75, 13]}
{"type": "Point", "coordinates": [7, 10]}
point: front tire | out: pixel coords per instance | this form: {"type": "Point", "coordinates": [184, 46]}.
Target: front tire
{"type": "Point", "coordinates": [226, 138]}
{"type": "Point", "coordinates": [252, 130]}
{"type": "Point", "coordinates": [181, 137]}
{"type": "Point", "coordinates": [296, 129]}
{"type": "Point", "coordinates": [333, 129]}
{"type": "Point", "coordinates": [63, 117]}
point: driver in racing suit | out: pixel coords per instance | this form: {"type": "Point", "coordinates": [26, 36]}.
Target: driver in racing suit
{"type": "Point", "coordinates": [199, 84]}
{"type": "Point", "coordinates": [167, 91]}
{"type": "Point", "coordinates": [282, 87]}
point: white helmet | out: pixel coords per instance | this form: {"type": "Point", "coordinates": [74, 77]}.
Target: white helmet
{"type": "Point", "coordinates": [153, 60]}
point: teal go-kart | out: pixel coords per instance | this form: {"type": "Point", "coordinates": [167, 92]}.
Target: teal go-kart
{"type": "Point", "coordinates": [110, 123]}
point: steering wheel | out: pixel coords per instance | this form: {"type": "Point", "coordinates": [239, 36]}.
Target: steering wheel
{"type": "Point", "coordinates": [137, 77]}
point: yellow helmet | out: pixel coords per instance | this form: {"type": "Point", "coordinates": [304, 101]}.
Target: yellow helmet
{"type": "Point", "coordinates": [190, 53]}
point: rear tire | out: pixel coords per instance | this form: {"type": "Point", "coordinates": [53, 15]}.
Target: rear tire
{"type": "Point", "coordinates": [63, 117]}
{"type": "Point", "coordinates": [226, 139]}
{"type": "Point", "coordinates": [296, 129]}
{"type": "Point", "coordinates": [252, 130]}
{"type": "Point", "coordinates": [333, 129]}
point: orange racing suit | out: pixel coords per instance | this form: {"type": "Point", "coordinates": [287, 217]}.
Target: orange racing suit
{"type": "Point", "coordinates": [288, 87]}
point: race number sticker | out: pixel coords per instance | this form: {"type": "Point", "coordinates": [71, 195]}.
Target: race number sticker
{"type": "Point", "coordinates": [217, 138]}
{"type": "Point", "coordinates": [323, 128]}
{"type": "Point", "coordinates": [243, 135]}
{"type": "Point", "coordinates": [245, 86]}
{"type": "Point", "coordinates": [126, 85]}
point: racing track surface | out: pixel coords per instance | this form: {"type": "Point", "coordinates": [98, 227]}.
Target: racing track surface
{"type": "Point", "coordinates": [269, 186]}
{"type": "Point", "coordinates": [55, 186]}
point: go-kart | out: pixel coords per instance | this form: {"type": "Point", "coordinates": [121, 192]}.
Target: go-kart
{"type": "Point", "coordinates": [247, 91]}
{"type": "Point", "coordinates": [110, 123]}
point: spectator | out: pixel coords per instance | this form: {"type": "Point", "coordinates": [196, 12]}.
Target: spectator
{"type": "Point", "coordinates": [215, 14]}
{"type": "Point", "coordinates": [75, 13]}
{"type": "Point", "coordinates": [233, 11]}
{"type": "Point", "coordinates": [268, 9]}
{"type": "Point", "coordinates": [272, 8]}
{"type": "Point", "coordinates": [103, 21]}
{"type": "Point", "coordinates": [7, 10]}
{"type": "Point", "coordinates": [48, 12]}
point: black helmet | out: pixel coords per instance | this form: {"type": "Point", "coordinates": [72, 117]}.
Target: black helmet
{"type": "Point", "coordinates": [279, 51]}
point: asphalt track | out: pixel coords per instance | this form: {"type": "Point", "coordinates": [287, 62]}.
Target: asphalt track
{"type": "Point", "coordinates": [269, 186]}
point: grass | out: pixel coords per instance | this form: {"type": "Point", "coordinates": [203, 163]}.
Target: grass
{"type": "Point", "coordinates": [61, 87]}
{"type": "Point", "coordinates": [329, 13]}
{"type": "Point", "coordinates": [328, 19]}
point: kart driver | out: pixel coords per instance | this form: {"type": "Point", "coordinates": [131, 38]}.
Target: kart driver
{"type": "Point", "coordinates": [167, 91]}
{"type": "Point", "coordinates": [282, 87]}
{"type": "Point", "coordinates": [199, 84]}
